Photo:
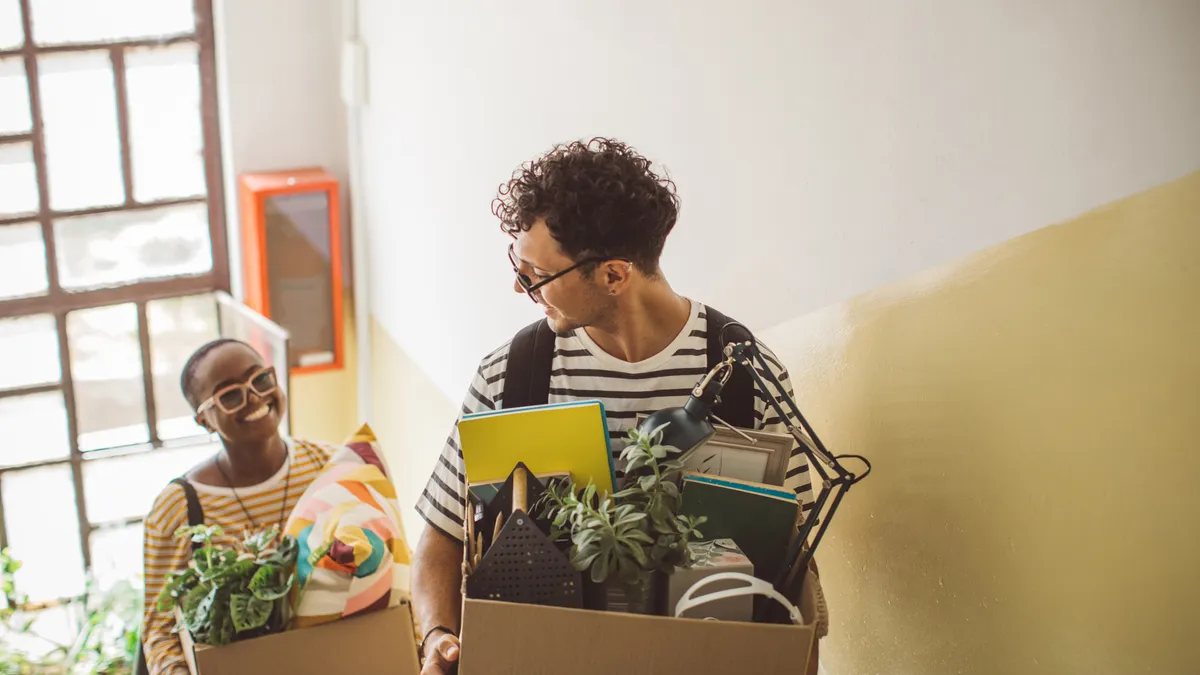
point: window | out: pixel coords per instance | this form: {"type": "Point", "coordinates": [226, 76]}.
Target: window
{"type": "Point", "coordinates": [112, 242]}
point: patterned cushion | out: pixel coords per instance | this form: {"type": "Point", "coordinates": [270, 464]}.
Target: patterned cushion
{"type": "Point", "coordinates": [350, 518]}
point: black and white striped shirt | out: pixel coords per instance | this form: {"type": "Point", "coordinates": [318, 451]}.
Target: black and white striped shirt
{"type": "Point", "coordinates": [581, 370]}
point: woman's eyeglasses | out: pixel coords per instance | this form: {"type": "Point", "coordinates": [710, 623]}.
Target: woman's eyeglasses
{"type": "Point", "coordinates": [531, 287]}
{"type": "Point", "coordinates": [234, 397]}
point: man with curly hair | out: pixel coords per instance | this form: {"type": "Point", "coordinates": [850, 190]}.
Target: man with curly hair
{"type": "Point", "coordinates": [588, 222]}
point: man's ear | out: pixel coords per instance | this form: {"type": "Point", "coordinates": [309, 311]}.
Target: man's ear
{"type": "Point", "coordinates": [616, 275]}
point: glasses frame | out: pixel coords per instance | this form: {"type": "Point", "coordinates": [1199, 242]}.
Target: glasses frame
{"type": "Point", "coordinates": [244, 387]}
{"type": "Point", "coordinates": [532, 288]}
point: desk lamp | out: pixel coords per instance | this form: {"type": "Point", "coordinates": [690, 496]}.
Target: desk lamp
{"type": "Point", "coordinates": [688, 426]}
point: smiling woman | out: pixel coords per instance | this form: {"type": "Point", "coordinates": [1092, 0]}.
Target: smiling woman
{"type": "Point", "coordinates": [252, 484]}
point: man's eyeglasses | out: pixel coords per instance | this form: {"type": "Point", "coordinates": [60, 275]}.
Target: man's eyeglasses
{"type": "Point", "coordinates": [234, 397]}
{"type": "Point", "coordinates": [531, 287]}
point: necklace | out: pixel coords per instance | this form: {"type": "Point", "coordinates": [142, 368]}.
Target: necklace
{"type": "Point", "coordinates": [287, 481]}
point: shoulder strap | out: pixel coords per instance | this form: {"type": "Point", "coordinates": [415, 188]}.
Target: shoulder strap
{"type": "Point", "coordinates": [194, 510]}
{"type": "Point", "coordinates": [195, 517]}
{"type": "Point", "coordinates": [735, 405]}
{"type": "Point", "coordinates": [527, 372]}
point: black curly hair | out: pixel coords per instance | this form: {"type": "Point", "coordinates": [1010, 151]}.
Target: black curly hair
{"type": "Point", "coordinates": [598, 198]}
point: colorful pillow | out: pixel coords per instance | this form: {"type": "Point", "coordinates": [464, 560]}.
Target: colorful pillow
{"type": "Point", "coordinates": [353, 555]}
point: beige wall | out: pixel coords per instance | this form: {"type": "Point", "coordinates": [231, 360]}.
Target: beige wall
{"type": "Point", "coordinates": [411, 421]}
{"type": "Point", "coordinates": [278, 81]}
{"type": "Point", "coordinates": [324, 405]}
{"type": "Point", "coordinates": [830, 147]}
{"type": "Point", "coordinates": [1031, 413]}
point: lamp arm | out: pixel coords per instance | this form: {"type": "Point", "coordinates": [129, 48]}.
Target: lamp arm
{"type": "Point", "coordinates": [744, 354]}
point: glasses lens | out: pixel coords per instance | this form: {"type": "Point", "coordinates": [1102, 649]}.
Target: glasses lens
{"type": "Point", "coordinates": [263, 382]}
{"type": "Point", "coordinates": [522, 279]}
{"type": "Point", "coordinates": [232, 400]}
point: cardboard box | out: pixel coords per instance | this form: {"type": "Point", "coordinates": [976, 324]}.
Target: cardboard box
{"type": "Point", "coordinates": [501, 637]}
{"type": "Point", "coordinates": [377, 643]}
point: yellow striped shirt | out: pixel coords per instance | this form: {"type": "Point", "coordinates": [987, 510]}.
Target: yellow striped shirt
{"type": "Point", "coordinates": [164, 554]}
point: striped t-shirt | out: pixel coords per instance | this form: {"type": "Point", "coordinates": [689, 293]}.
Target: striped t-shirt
{"type": "Point", "coordinates": [581, 370]}
{"type": "Point", "coordinates": [165, 554]}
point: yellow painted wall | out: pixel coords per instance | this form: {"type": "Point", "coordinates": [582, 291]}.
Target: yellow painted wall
{"type": "Point", "coordinates": [324, 405]}
{"type": "Point", "coordinates": [1033, 415]}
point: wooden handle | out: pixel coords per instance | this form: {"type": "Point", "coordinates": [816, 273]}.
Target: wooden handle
{"type": "Point", "coordinates": [520, 490]}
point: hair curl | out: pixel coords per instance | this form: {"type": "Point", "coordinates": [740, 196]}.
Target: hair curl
{"type": "Point", "coordinates": [599, 198]}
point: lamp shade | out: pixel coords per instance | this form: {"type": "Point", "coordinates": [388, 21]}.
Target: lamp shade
{"type": "Point", "coordinates": [687, 425]}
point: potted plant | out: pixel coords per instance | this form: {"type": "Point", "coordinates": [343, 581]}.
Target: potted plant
{"type": "Point", "coordinates": [627, 541]}
{"type": "Point", "coordinates": [226, 595]}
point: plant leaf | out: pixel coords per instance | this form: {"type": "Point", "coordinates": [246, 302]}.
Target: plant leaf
{"type": "Point", "coordinates": [640, 536]}
{"type": "Point", "coordinates": [659, 515]}
{"type": "Point", "coordinates": [274, 593]}
{"type": "Point", "coordinates": [265, 579]}
{"type": "Point", "coordinates": [584, 537]}
{"type": "Point", "coordinates": [239, 609]}
{"type": "Point", "coordinates": [638, 553]}
{"type": "Point", "coordinates": [629, 518]}
{"type": "Point", "coordinates": [582, 563]}
{"type": "Point", "coordinates": [601, 565]}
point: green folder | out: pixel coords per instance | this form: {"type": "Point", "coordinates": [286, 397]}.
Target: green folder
{"type": "Point", "coordinates": [761, 518]}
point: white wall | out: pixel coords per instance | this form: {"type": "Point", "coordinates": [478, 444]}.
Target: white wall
{"type": "Point", "coordinates": [277, 81]}
{"type": "Point", "coordinates": [820, 149]}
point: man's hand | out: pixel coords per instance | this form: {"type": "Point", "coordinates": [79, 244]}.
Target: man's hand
{"type": "Point", "coordinates": [441, 655]}
{"type": "Point", "coordinates": [437, 598]}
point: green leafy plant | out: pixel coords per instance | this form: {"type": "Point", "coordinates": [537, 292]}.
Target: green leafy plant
{"type": "Point", "coordinates": [635, 532]}
{"type": "Point", "coordinates": [102, 624]}
{"type": "Point", "coordinates": [234, 594]}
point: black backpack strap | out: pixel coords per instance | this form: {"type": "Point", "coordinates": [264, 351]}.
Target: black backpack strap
{"type": "Point", "coordinates": [195, 514]}
{"type": "Point", "coordinates": [194, 510]}
{"type": "Point", "coordinates": [527, 373]}
{"type": "Point", "coordinates": [735, 404]}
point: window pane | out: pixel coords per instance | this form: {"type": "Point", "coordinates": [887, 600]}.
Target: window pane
{"type": "Point", "coordinates": [18, 179]}
{"type": "Point", "coordinates": [43, 532]}
{"type": "Point", "coordinates": [301, 284]}
{"type": "Point", "coordinates": [165, 135]}
{"type": "Point", "coordinates": [117, 555]}
{"type": "Point", "coordinates": [22, 261]}
{"type": "Point", "coordinates": [79, 111]}
{"type": "Point", "coordinates": [34, 428]}
{"type": "Point", "coordinates": [125, 487]}
{"type": "Point", "coordinates": [14, 95]}
{"type": "Point", "coordinates": [106, 364]}
{"type": "Point", "coordinates": [117, 248]}
{"type": "Point", "coordinates": [177, 327]}
{"type": "Point", "coordinates": [11, 33]}
{"type": "Point", "coordinates": [30, 347]}
{"type": "Point", "coordinates": [60, 21]}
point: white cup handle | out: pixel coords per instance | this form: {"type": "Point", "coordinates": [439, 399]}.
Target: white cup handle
{"type": "Point", "coordinates": [753, 586]}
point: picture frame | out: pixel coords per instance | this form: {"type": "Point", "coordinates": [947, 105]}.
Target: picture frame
{"type": "Point", "coordinates": [763, 459]}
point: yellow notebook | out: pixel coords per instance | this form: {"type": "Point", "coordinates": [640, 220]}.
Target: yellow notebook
{"type": "Point", "coordinates": [571, 437]}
